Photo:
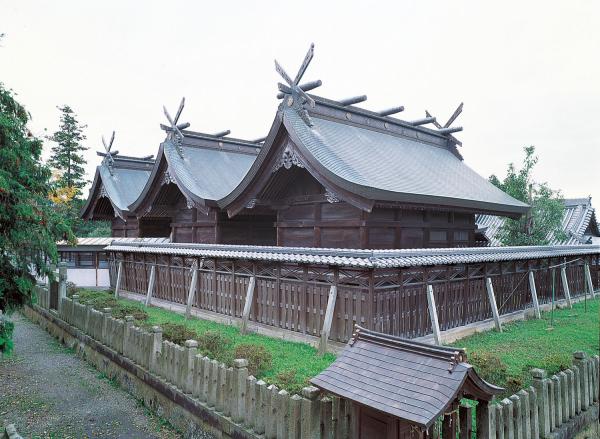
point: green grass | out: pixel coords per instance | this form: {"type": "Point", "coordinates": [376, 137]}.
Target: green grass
{"type": "Point", "coordinates": [293, 364]}
{"type": "Point", "coordinates": [506, 358]}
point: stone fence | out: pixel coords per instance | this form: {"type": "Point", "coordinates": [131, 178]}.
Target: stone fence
{"type": "Point", "coordinates": [551, 408]}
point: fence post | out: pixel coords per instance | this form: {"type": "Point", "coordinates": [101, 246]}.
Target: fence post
{"type": "Point", "coordinates": [541, 390]}
{"type": "Point", "coordinates": [260, 410]}
{"type": "Point", "coordinates": [62, 284]}
{"type": "Point", "coordinates": [311, 413]}
{"type": "Point", "coordinates": [151, 285]}
{"type": "Point", "coordinates": [283, 412]}
{"type": "Point", "coordinates": [534, 297]}
{"type": "Point", "coordinates": [118, 284]}
{"type": "Point", "coordinates": [155, 349]}
{"type": "Point", "coordinates": [105, 317]}
{"type": "Point", "coordinates": [126, 332]}
{"type": "Point", "coordinates": [192, 291]}
{"type": "Point", "coordinates": [435, 325]}
{"type": "Point", "coordinates": [240, 376]}
{"type": "Point", "coordinates": [250, 401]}
{"type": "Point", "coordinates": [484, 420]}
{"type": "Point", "coordinates": [525, 420]}
{"type": "Point", "coordinates": [327, 321]}
{"type": "Point", "coordinates": [295, 416]}
{"type": "Point", "coordinates": [579, 360]}
{"type": "Point", "coordinates": [493, 305]}
{"type": "Point", "coordinates": [558, 411]}
{"type": "Point", "coordinates": [248, 305]}
{"type": "Point", "coordinates": [563, 276]}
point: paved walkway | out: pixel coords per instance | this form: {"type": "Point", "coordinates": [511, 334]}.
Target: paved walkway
{"type": "Point", "coordinates": [48, 392]}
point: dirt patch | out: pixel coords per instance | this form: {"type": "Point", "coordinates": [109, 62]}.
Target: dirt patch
{"type": "Point", "coordinates": [47, 392]}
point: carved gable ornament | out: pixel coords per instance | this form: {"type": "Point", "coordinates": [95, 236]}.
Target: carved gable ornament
{"type": "Point", "coordinates": [288, 159]}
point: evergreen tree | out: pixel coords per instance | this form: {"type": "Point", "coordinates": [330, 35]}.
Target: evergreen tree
{"type": "Point", "coordinates": [544, 219]}
{"type": "Point", "coordinates": [67, 156]}
{"type": "Point", "coordinates": [29, 225]}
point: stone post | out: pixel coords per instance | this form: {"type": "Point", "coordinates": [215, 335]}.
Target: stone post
{"type": "Point", "coordinates": [187, 378]}
{"type": "Point", "coordinates": [326, 417]}
{"type": "Point", "coordinates": [580, 360]}
{"type": "Point", "coordinates": [271, 413]}
{"type": "Point", "coordinates": [62, 284]}
{"type": "Point", "coordinates": [311, 413]}
{"type": "Point", "coordinates": [205, 390]}
{"type": "Point", "coordinates": [213, 387]}
{"type": "Point", "coordinates": [221, 388]}
{"type": "Point", "coordinates": [126, 333]}
{"type": "Point", "coordinates": [261, 407]}
{"type": "Point", "coordinates": [238, 400]}
{"type": "Point", "coordinates": [509, 427]}
{"type": "Point", "coordinates": [517, 417]}
{"type": "Point", "coordinates": [534, 419]}
{"type": "Point", "coordinates": [541, 389]}
{"type": "Point", "coordinates": [283, 402]}
{"type": "Point", "coordinates": [156, 346]}
{"type": "Point", "coordinates": [105, 316]}
{"type": "Point", "coordinates": [499, 422]}
{"type": "Point", "coordinates": [558, 410]}
{"type": "Point", "coordinates": [296, 417]}
{"type": "Point", "coordinates": [250, 401]}
{"type": "Point", "coordinates": [484, 420]}
{"type": "Point", "coordinates": [525, 420]}
{"type": "Point", "coordinates": [571, 392]}
{"type": "Point", "coordinates": [198, 376]}
{"type": "Point", "coordinates": [564, 391]}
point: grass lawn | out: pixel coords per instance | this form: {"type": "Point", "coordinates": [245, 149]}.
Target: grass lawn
{"type": "Point", "coordinates": [292, 364]}
{"type": "Point", "coordinates": [506, 358]}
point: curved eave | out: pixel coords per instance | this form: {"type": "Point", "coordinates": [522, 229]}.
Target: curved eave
{"type": "Point", "coordinates": [86, 211]}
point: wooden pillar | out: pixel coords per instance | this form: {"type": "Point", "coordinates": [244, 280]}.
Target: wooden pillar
{"type": "Point", "coordinates": [534, 297]}
{"type": "Point", "coordinates": [192, 290]}
{"type": "Point", "coordinates": [150, 285]}
{"type": "Point", "coordinates": [248, 305]}
{"type": "Point", "coordinates": [119, 275]}
{"type": "Point", "coordinates": [492, 299]}
{"type": "Point", "coordinates": [565, 283]}
{"type": "Point", "coordinates": [588, 279]}
{"type": "Point", "coordinates": [435, 326]}
{"type": "Point", "coordinates": [328, 319]}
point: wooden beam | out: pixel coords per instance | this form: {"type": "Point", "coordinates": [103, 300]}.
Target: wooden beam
{"type": "Point", "coordinates": [248, 305]}
{"type": "Point", "coordinates": [328, 319]}
{"type": "Point", "coordinates": [588, 279]}
{"type": "Point", "coordinates": [119, 274]}
{"type": "Point", "coordinates": [494, 306]}
{"type": "Point", "coordinates": [433, 315]}
{"type": "Point", "coordinates": [565, 283]}
{"type": "Point", "coordinates": [534, 297]}
{"type": "Point", "coordinates": [150, 285]}
{"type": "Point", "coordinates": [192, 290]}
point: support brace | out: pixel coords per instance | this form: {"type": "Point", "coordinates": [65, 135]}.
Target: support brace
{"type": "Point", "coordinates": [192, 290]}
{"type": "Point", "coordinates": [534, 297]}
{"type": "Point", "coordinates": [151, 285]}
{"type": "Point", "coordinates": [248, 305]}
{"type": "Point", "coordinates": [565, 283]}
{"type": "Point", "coordinates": [118, 285]}
{"type": "Point", "coordinates": [435, 325]}
{"type": "Point", "coordinates": [328, 319]}
{"type": "Point", "coordinates": [493, 305]}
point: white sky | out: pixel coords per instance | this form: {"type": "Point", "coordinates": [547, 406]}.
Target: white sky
{"type": "Point", "coordinates": [527, 71]}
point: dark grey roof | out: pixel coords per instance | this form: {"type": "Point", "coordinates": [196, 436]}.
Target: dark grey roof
{"type": "Point", "coordinates": [412, 381]}
{"type": "Point", "coordinates": [579, 224]}
{"type": "Point", "coordinates": [122, 186]}
{"type": "Point", "coordinates": [84, 244]}
{"type": "Point", "coordinates": [357, 258]}
{"type": "Point", "coordinates": [395, 167]}
{"type": "Point", "coordinates": [381, 159]}
{"type": "Point", "coordinates": [209, 168]}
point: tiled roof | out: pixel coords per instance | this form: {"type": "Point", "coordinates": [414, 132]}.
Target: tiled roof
{"type": "Point", "coordinates": [356, 258]}
{"type": "Point", "coordinates": [413, 381]}
{"type": "Point", "coordinates": [104, 241]}
{"type": "Point", "coordinates": [578, 217]}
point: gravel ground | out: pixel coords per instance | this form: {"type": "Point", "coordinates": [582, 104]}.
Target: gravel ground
{"type": "Point", "coordinates": [48, 392]}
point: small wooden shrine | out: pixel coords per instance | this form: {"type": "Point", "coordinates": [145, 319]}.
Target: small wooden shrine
{"type": "Point", "coordinates": [400, 388]}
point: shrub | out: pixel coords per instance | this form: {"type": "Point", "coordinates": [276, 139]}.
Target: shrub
{"type": "Point", "coordinates": [177, 333]}
{"type": "Point", "coordinates": [6, 331]}
{"type": "Point", "coordinates": [72, 289]}
{"type": "Point", "coordinates": [489, 367]}
{"type": "Point", "coordinates": [259, 358]}
{"type": "Point", "coordinates": [120, 311]}
{"type": "Point", "coordinates": [290, 381]}
{"type": "Point", "coordinates": [213, 344]}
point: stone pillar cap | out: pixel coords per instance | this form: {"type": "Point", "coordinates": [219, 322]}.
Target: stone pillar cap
{"type": "Point", "coordinates": [106, 310]}
{"type": "Point", "coordinates": [129, 318]}
{"type": "Point", "coordinates": [240, 363]}
{"type": "Point", "coordinates": [310, 392]}
{"type": "Point", "coordinates": [156, 329]}
{"type": "Point", "coordinates": [191, 344]}
{"type": "Point", "coordinates": [579, 355]}
{"type": "Point", "coordinates": [538, 373]}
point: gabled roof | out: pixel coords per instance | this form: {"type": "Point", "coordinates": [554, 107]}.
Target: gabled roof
{"type": "Point", "coordinates": [413, 381]}
{"type": "Point", "coordinates": [208, 168]}
{"type": "Point", "coordinates": [375, 158]}
{"type": "Point", "coordinates": [121, 183]}
{"type": "Point", "coordinates": [579, 224]}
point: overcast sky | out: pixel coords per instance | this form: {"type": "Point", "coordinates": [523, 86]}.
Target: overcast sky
{"type": "Point", "coordinates": [527, 71]}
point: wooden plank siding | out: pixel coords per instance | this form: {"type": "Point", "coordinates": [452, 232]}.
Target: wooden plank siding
{"type": "Point", "coordinates": [294, 296]}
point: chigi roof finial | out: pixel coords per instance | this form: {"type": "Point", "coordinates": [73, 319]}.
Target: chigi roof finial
{"type": "Point", "coordinates": [108, 155]}
{"type": "Point", "coordinates": [297, 97]}
{"type": "Point", "coordinates": [175, 128]}
{"type": "Point", "coordinates": [446, 129]}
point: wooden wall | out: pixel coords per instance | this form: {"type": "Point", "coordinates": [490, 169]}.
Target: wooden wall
{"type": "Point", "coordinates": [122, 229]}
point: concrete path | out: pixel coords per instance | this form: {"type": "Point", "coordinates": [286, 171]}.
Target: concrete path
{"type": "Point", "coordinates": [48, 392]}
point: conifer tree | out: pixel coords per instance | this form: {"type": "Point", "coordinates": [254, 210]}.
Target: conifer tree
{"type": "Point", "coordinates": [29, 225]}
{"type": "Point", "coordinates": [67, 156]}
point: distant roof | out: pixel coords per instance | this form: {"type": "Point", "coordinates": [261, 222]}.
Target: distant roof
{"type": "Point", "coordinates": [579, 224]}
{"type": "Point", "coordinates": [356, 258]}
{"type": "Point", "coordinates": [121, 187]}
{"type": "Point", "coordinates": [412, 381]}
{"type": "Point", "coordinates": [104, 241]}
{"type": "Point", "coordinates": [208, 169]}
{"type": "Point", "coordinates": [382, 159]}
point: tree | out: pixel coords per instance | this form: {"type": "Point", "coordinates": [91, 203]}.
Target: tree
{"type": "Point", "coordinates": [544, 219]}
{"type": "Point", "coordinates": [67, 155]}
{"type": "Point", "coordinates": [29, 225]}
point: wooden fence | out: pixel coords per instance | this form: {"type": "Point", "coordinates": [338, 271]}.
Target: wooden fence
{"type": "Point", "coordinates": [394, 301]}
